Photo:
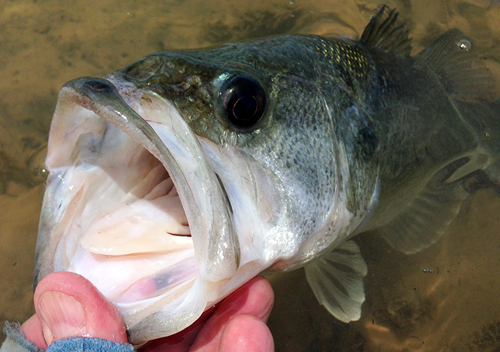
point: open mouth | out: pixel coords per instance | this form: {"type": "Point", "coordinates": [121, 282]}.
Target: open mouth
{"type": "Point", "coordinates": [133, 206]}
{"type": "Point", "coordinates": [144, 235]}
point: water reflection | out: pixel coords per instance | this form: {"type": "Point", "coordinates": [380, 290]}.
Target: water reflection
{"type": "Point", "coordinates": [44, 44]}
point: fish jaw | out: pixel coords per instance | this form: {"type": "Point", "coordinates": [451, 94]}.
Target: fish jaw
{"type": "Point", "coordinates": [110, 151]}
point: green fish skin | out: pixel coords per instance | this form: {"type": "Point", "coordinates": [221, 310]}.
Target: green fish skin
{"type": "Point", "coordinates": [281, 150]}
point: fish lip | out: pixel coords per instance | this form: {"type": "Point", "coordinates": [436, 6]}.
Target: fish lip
{"type": "Point", "coordinates": [118, 102]}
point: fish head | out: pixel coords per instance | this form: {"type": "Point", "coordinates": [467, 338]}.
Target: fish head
{"type": "Point", "coordinates": [179, 178]}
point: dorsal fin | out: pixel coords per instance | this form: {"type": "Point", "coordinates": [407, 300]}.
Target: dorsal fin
{"type": "Point", "coordinates": [456, 61]}
{"type": "Point", "coordinates": [387, 33]}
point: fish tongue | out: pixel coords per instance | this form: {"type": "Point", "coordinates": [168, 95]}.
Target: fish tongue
{"type": "Point", "coordinates": [144, 221]}
{"type": "Point", "coordinates": [143, 226]}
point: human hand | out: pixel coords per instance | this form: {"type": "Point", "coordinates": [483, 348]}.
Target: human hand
{"type": "Point", "coordinates": [69, 305]}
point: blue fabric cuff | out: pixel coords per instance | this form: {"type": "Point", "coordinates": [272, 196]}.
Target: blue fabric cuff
{"type": "Point", "coordinates": [88, 344]}
{"type": "Point", "coordinates": [72, 344]}
{"type": "Point", "coordinates": [17, 339]}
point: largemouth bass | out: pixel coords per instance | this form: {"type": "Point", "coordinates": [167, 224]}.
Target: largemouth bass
{"type": "Point", "coordinates": [180, 177]}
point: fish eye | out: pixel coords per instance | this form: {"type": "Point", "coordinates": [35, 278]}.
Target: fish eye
{"type": "Point", "coordinates": [243, 102]}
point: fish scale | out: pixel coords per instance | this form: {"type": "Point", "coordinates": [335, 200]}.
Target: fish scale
{"type": "Point", "coordinates": [349, 59]}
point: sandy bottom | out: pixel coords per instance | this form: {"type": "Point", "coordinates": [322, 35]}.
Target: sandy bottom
{"type": "Point", "coordinates": [46, 43]}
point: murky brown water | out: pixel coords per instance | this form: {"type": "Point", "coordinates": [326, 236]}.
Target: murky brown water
{"type": "Point", "coordinates": [43, 44]}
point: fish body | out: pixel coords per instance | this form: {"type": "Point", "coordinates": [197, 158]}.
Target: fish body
{"type": "Point", "coordinates": [179, 178]}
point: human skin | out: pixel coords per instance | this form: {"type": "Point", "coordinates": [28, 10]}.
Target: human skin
{"type": "Point", "coordinates": [69, 305]}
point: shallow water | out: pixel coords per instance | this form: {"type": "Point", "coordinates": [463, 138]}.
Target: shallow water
{"type": "Point", "coordinates": [46, 43]}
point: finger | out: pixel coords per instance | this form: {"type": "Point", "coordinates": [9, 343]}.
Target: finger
{"type": "Point", "coordinates": [69, 305]}
{"type": "Point", "coordinates": [246, 333]}
{"type": "Point", "coordinates": [32, 330]}
{"type": "Point", "coordinates": [255, 298]}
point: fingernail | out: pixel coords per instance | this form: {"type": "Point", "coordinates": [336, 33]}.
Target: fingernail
{"type": "Point", "coordinates": [62, 316]}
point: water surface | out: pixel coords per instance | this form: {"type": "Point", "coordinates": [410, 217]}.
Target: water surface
{"type": "Point", "coordinates": [445, 298]}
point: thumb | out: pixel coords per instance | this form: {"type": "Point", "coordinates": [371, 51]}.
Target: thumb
{"type": "Point", "coordinates": [68, 305]}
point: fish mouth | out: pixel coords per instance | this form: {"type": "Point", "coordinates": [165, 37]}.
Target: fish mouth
{"type": "Point", "coordinates": [133, 205]}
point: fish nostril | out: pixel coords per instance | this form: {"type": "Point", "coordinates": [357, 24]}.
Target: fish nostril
{"type": "Point", "coordinates": [99, 85]}
{"type": "Point", "coordinates": [144, 69]}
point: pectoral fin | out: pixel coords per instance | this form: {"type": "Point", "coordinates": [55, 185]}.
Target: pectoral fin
{"type": "Point", "coordinates": [337, 281]}
{"type": "Point", "coordinates": [422, 222]}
